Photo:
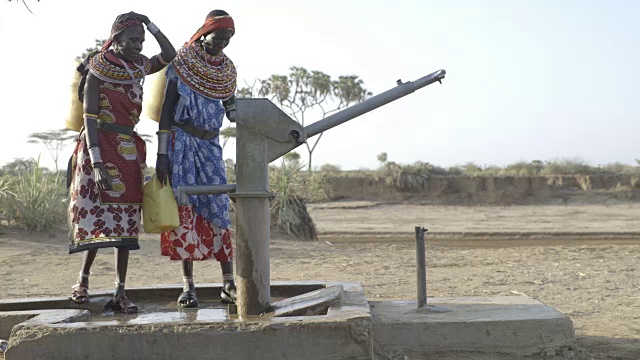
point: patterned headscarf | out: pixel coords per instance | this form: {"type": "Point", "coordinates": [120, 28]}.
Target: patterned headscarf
{"type": "Point", "coordinates": [122, 23]}
{"type": "Point", "coordinates": [213, 23]}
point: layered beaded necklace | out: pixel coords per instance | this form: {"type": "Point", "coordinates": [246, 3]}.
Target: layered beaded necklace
{"type": "Point", "coordinates": [103, 65]}
{"type": "Point", "coordinates": [211, 76]}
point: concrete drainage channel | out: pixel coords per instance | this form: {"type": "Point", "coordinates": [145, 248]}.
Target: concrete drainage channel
{"type": "Point", "coordinates": [313, 320]}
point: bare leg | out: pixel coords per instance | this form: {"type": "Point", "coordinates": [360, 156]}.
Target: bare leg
{"type": "Point", "coordinates": [188, 298]}
{"type": "Point", "coordinates": [80, 293]}
{"type": "Point", "coordinates": [121, 302]}
{"type": "Point", "coordinates": [228, 293]}
{"type": "Point", "coordinates": [87, 260]}
{"type": "Point", "coordinates": [122, 262]}
{"type": "Point", "coordinates": [187, 276]}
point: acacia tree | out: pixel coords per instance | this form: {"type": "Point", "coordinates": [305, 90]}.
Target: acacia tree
{"type": "Point", "coordinates": [303, 92]}
{"type": "Point", "coordinates": [54, 141]}
{"type": "Point", "coordinates": [25, 4]}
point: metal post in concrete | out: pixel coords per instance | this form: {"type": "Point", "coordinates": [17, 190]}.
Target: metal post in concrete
{"type": "Point", "coordinates": [421, 268]}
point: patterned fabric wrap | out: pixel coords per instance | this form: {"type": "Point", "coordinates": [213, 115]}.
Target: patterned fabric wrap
{"type": "Point", "coordinates": [196, 161]}
{"type": "Point", "coordinates": [196, 239]}
{"type": "Point", "coordinates": [213, 77]}
{"type": "Point", "coordinates": [212, 24]}
{"type": "Point", "coordinates": [109, 218]}
{"type": "Point", "coordinates": [119, 26]}
{"type": "Point", "coordinates": [107, 67]}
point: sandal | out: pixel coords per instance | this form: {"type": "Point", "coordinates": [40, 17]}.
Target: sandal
{"type": "Point", "coordinates": [122, 305]}
{"type": "Point", "coordinates": [188, 299]}
{"type": "Point", "coordinates": [228, 296]}
{"type": "Point", "coordinates": [80, 294]}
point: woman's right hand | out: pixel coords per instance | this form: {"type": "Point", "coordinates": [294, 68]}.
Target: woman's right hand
{"type": "Point", "coordinates": [135, 15]}
{"type": "Point", "coordinates": [162, 168]}
{"type": "Point", "coordinates": [102, 177]}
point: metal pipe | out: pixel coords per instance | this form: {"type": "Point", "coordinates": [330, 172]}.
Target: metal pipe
{"type": "Point", "coordinates": [403, 89]}
{"type": "Point", "coordinates": [421, 266]}
{"type": "Point", "coordinates": [185, 191]}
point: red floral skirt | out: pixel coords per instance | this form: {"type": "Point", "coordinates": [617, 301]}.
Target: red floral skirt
{"type": "Point", "coordinates": [196, 239]}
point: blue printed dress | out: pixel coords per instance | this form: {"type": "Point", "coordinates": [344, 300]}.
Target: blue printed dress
{"type": "Point", "coordinates": [204, 223]}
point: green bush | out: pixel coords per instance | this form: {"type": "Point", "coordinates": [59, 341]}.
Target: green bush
{"type": "Point", "coordinates": [330, 168]}
{"type": "Point", "coordinates": [293, 188]}
{"type": "Point", "coordinates": [230, 171]}
{"type": "Point", "coordinates": [471, 169]}
{"type": "Point", "coordinates": [6, 198]}
{"type": "Point", "coordinates": [412, 176]}
{"type": "Point", "coordinates": [568, 167]}
{"type": "Point", "coordinates": [523, 168]}
{"type": "Point", "coordinates": [415, 175]}
{"type": "Point", "coordinates": [36, 200]}
{"type": "Point", "coordinates": [620, 168]}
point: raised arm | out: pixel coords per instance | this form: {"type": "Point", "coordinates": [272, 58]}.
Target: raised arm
{"type": "Point", "coordinates": [167, 51]}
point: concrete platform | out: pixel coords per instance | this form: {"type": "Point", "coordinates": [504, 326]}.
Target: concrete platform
{"type": "Point", "coordinates": [510, 324]}
{"type": "Point", "coordinates": [312, 320]}
{"type": "Point", "coordinates": [161, 331]}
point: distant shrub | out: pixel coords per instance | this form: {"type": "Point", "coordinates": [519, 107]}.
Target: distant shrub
{"type": "Point", "coordinates": [523, 168]}
{"type": "Point", "coordinates": [330, 168]}
{"type": "Point", "coordinates": [620, 168]}
{"type": "Point", "coordinates": [230, 171]}
{"type": "Point", "coordinates": [415, 175]}
{"type": "Point", "coordinates": [455, 170]}
{"type": "Point", "coordinates": [471, 169]}
{"type": "Point", "coordinates": [568, 167]}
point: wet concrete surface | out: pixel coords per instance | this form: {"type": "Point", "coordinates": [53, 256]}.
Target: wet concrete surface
{"type": "Point", "coordinates": [162, 330]}
{"type": "Point", "coordinates": [163, 311]}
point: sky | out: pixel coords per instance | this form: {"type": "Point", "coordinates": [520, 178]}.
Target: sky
{"type": "Point", "coordinates": [526, 80]}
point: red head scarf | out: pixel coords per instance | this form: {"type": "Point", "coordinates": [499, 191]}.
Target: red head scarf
{"type": "Point", "coordinates": [213, 23]}
{"type": "Point", "coordinates": [122, 23]}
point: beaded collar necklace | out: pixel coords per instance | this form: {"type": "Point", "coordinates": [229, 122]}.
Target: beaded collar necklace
{"type": "Point", "coordinates": [108, 67]}
{"type": "Point", "coordinates": [211, 76]}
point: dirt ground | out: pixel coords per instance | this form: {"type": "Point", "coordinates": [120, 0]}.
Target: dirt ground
{"type": "Point", "coordinates": [582, 260]}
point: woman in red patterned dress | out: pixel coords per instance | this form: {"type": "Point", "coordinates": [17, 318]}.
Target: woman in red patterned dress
{"type": "Point", "coordinates": [106, 183]}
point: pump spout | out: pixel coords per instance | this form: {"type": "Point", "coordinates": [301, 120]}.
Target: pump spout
{"type": "Point", "coordinates": [403, 89]}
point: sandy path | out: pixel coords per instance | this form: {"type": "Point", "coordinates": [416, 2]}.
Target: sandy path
{"type": "Point", "coordinates": [371, 217]}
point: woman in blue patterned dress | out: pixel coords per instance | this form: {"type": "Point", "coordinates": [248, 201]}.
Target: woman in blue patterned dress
{"type": "Point", "coordinates": [201, 85]}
